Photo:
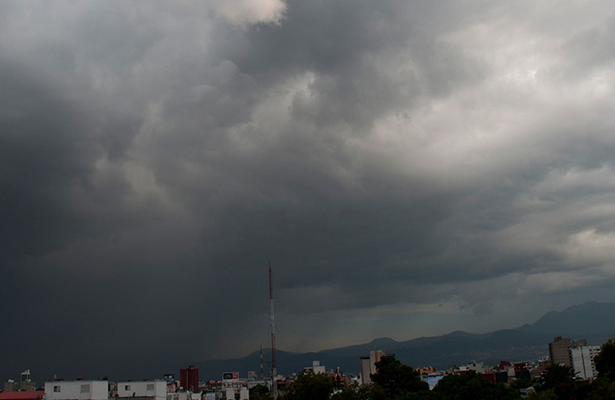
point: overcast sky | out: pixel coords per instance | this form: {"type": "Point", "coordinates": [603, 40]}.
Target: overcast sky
{"type": "Point", "coordinates": [409, 168]}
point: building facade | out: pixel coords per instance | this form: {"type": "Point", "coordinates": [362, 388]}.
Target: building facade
{"type": "Point", "coordinates": [582, 359]}
{"type": "Point", "coordinates": [150, 390]}
{"type": "Point", "coordinates": [368, 365]}
{"type": "Point", "coordinates": [189, 379]}
{"type": "Point", "coordinates": [77, 390]}
{"type": "Point", "coordinates": [559, 351]}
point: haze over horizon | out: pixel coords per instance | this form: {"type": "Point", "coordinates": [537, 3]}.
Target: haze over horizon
{"type": "Point", "coordinates": [409, 168]}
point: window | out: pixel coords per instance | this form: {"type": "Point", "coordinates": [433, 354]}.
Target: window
{"type": "Point", "coordinates": [126, 387]}
{"type": "Point", "coordinates": [85, 388]}
{"type": "Point", "coordinates": [56, 389]}
{"type": "Point", "coordinates": [150, 387]}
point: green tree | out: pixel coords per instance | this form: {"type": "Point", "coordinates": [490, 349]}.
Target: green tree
{"type": "Point", "coordinates": [602, 389]}
{"type": "Point", "coordinates": [605, 361]}
{"type": "Point", "coordinates": [397, 379]}
{"type": "Point", "coordinates": [422, 395]}
{"type": "Point", "coordinates": [472, 386]}
{"type": "Point", "coordinates": [365, 392]}
{"type": "Point", "coordinates": [557, 375]}
{"type": "Point", "coordinates": [543, 395]}
{"type": "Point", "coordinates": [260, 392]}
{"type": "Point", "coordinates": [310, 386]}
{"type": "Point", "coordinates": [347, 393]}
{"type": "Point", "coordinates": [521, 384]}
{"type": "Point", "coordinates": [560, 379]}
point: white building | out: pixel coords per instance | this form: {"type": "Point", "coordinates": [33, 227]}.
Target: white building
{"type": "Point", "coordinates": [235, 389]}
{"type": "Point", "coordinates": [77, 390]}
{"type": "Point", "coordinates": [316, 368]}
{"type": "Point", "coordinates": [479, 367]}
{"type": "Point", "coordinates": [179, 396]}
{"type": "Point", "coordinates": [582, 358]}
{"type": "Point", "coordinates": [368, 365]}
{"type": "Point", "coordinates": [151, 390]}
{"type": "Point", "coordinates": [233, 393]}
{"type": "Point", "coordinates": [184, 396]}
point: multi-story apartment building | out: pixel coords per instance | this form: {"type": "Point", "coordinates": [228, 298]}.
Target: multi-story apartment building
{"type": "Point", "coordinates": [559, 351]}
{"type": "Point", "coordinates": [582, 360]}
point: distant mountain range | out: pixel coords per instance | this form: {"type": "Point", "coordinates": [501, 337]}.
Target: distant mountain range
{"type": "Point", "coordinates": [592, 321]}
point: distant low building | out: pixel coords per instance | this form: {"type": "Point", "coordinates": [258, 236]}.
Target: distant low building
{"type": "Point", "coordinates": [478, 367]}
{"type": "Point", "coordinates": [231, 387]}
{"type": "Point", "coordinates": [179, 396]}
{"type": "Point", "coordinates": [142, 390]}
{"type": "Point", "coordinates": [426, 370]}
{"type": "Point", "coordinates": [316, 368]}
{"type": "Point", "coordinates": [540, 369]}
{"type": "Point", "coordinates": [80, 389]}
{"type": "Point", "coordinates": [523, 371]}
{"type": "Point", "coordinates": [25, 395]}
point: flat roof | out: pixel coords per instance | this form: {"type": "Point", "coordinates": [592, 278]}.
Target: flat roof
{"type": "Point", "coordinates": [22, 395]}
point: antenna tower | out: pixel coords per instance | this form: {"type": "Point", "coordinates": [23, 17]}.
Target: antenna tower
{"type": "Point", "coordinates": [274, 372]}
{"type": "Point", "coordinates": [262, 369]}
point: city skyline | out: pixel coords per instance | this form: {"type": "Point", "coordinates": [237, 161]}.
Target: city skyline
{"type": "Point", "coordinates": [408, 168]}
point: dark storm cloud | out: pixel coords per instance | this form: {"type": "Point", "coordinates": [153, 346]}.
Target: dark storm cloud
{"type": "Point", "coordinates": [391, 159]}
{"type": "Point", "coordinates": [285, 184]}
{"type": "Point", "coordinates": [46, 155]}
{"type": "Point", "coordinates": [351, 48]}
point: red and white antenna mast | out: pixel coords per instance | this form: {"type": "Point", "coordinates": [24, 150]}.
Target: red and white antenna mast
{"type": "Point", "coordinates": [274, 372]}
{"type": "Point", "coordinates": [262, 369]}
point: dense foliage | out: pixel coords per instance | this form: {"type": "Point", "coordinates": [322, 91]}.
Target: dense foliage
{"type": "Point", "coordinates": [396, 381]}
{"type": "Point", "coordinates": [472, 386]}
{"type": "Point", "coordinates": [260, 392]}
{"type": "Point", "coordinates": [605, 361]}
{"type": "Point", "coordinates": [309, 386]}
{"type": "Point", "coordinates": [559, 382]}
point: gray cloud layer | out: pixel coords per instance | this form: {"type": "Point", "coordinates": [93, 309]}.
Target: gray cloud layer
{"type": "Point", "coordinates": [409, 168]}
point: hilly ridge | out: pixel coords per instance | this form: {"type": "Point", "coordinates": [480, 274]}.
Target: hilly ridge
{"type": "Point", "coordinates": [592, 321]}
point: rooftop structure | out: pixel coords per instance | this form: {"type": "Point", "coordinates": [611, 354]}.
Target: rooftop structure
{"type": "Point", "coordinates": [24, 395]}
